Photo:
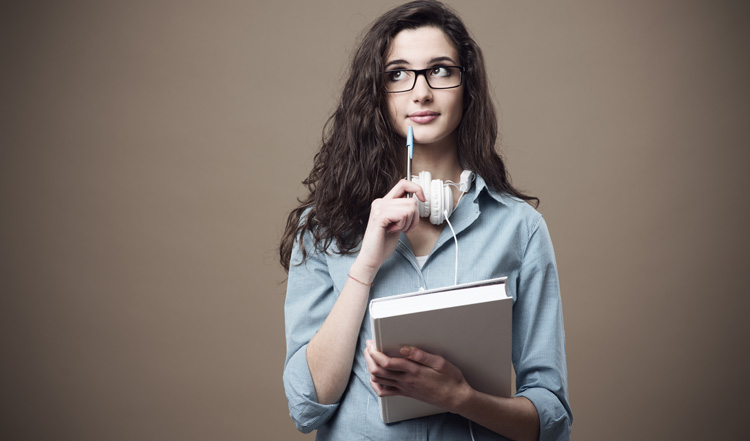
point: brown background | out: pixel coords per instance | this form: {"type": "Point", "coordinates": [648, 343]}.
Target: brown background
{"type": "Point", "coordinates": [151, 150]}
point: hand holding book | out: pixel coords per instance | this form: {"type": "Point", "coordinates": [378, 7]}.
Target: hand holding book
{"type": "Point", "coordinates": [426, 377]}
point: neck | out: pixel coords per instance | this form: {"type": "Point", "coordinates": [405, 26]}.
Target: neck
{"type": "Point", "coordinates": [440, 159]}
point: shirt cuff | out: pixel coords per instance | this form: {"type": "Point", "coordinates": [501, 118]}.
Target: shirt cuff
{"type": "Point", "coordinates": [554, 420]}
{"type": "Point", "coordinates": [304, 408]}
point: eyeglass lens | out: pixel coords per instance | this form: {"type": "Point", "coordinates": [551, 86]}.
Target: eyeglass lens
{"type": "Point", "coordinates": [437, 77]}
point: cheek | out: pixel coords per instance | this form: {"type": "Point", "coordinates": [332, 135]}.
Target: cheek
{"type": "Point", "coordinates": [458, 108]}
{"type": "Point", "coordinates": [395, 115]}
{"type": "Point", "coordinates": [459, 100]}
{"type": "Point", "coordinates": [393, 108]}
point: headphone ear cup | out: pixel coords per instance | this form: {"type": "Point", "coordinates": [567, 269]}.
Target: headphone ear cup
{"type": "Point", "coordinates": [424, 179]}
{"type": "Point", "coordinates": [447, 201]}
{"type": "Point", "coordinates": [437, 202]}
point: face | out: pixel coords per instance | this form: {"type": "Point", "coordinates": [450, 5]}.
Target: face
{"type": "Point", "coordinates": [434, 114]}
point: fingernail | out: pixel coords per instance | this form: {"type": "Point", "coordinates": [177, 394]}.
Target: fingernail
{"type": "Point", "coordinates": [406, 351]}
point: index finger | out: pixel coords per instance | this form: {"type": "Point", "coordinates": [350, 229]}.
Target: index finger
{"type": "Point", "coordinates": [396, 364]}
{"type": "Point", "coordinates": [417, 355]}
{"type": "Point", "coordinates": [403, 187]}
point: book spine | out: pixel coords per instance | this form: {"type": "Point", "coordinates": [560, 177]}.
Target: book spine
{"type": "Point", "coordinates": [384, 410]}
{"type": "Point", "coordinates": [376, 340]}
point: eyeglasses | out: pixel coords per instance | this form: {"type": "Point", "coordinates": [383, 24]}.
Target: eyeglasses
{"type": "Point", "coordinates": [438, 77]}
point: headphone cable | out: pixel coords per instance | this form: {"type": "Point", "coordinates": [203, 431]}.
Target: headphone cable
{"type": "Point", "coordinates": [455, 239]}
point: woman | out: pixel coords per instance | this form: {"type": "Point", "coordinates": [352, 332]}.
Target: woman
{"type": "Point", "coordinates": [357, 236]}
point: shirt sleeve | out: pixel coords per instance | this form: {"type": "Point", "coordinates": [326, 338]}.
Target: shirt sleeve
{"type": "Point", "coordinates": [539, 337]}
{"type": "Point", "coordinates": [310, 296]}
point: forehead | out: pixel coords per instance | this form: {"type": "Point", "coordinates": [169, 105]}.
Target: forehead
{"type": "Point", "coordinates": [418, 46]}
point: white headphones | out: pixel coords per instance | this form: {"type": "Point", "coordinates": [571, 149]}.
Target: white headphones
{"type": "Point", "coordinates": [439, 196]}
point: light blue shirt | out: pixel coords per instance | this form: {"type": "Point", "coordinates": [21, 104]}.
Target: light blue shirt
{"type": "Point", "coordinates": [497, 236]}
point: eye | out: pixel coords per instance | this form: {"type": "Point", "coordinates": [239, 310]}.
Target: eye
{"type": "Point", "coordinates": [397, 75]}
{"type": "Point", "coordinates": [440, 72]}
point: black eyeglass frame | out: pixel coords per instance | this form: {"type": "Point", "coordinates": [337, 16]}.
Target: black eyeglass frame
{"type": "Point", "coordinates": [423, 72]}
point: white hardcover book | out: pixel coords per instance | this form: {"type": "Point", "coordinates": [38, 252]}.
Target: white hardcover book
{"type": "Point", "coordinates": [469, 324]}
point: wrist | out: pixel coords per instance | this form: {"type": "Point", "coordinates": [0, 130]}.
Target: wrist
{"type": "Point", "coordinates": [463, 400]}
{"type": "Point", "coordinates": [362, 273]}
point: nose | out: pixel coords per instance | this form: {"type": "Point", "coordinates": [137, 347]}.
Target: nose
{"type": "Point", "coordinates": [422, 92]}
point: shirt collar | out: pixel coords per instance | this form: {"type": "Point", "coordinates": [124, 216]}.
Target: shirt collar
{"type": "Point", "coordinates": [480, 184]}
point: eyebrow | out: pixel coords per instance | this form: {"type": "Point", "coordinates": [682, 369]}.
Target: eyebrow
{"type": "Point", "coordinates": [432, 61]}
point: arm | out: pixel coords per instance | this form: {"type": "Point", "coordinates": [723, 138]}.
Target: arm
{"type": "Point", "coordinates": [331, 351]}
{"type": "Point", "coordinates": [322, 327]}
{"type": "Point", "coordinates": [539, 337]}
{"type": "Point", "coordinates": [310, 295]}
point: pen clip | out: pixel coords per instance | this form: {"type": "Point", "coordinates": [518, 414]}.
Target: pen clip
{"type": "Point", "coordinates": [410, 142]}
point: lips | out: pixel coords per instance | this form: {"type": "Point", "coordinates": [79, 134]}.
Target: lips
{"type": "Point", "coordinates": [423, 117]}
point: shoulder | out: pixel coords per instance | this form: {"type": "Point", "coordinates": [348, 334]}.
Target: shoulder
{"type": "Point", "coordinates": [508, 207]}
{"type": "Point", "coordinates": [312, 240]}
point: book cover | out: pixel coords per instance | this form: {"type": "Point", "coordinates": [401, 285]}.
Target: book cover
{"type": "Point", "coordinates": [470, 325]}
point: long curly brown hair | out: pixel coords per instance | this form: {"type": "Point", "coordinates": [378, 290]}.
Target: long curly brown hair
{"type": "Point", "coordinates": [361, 157]}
